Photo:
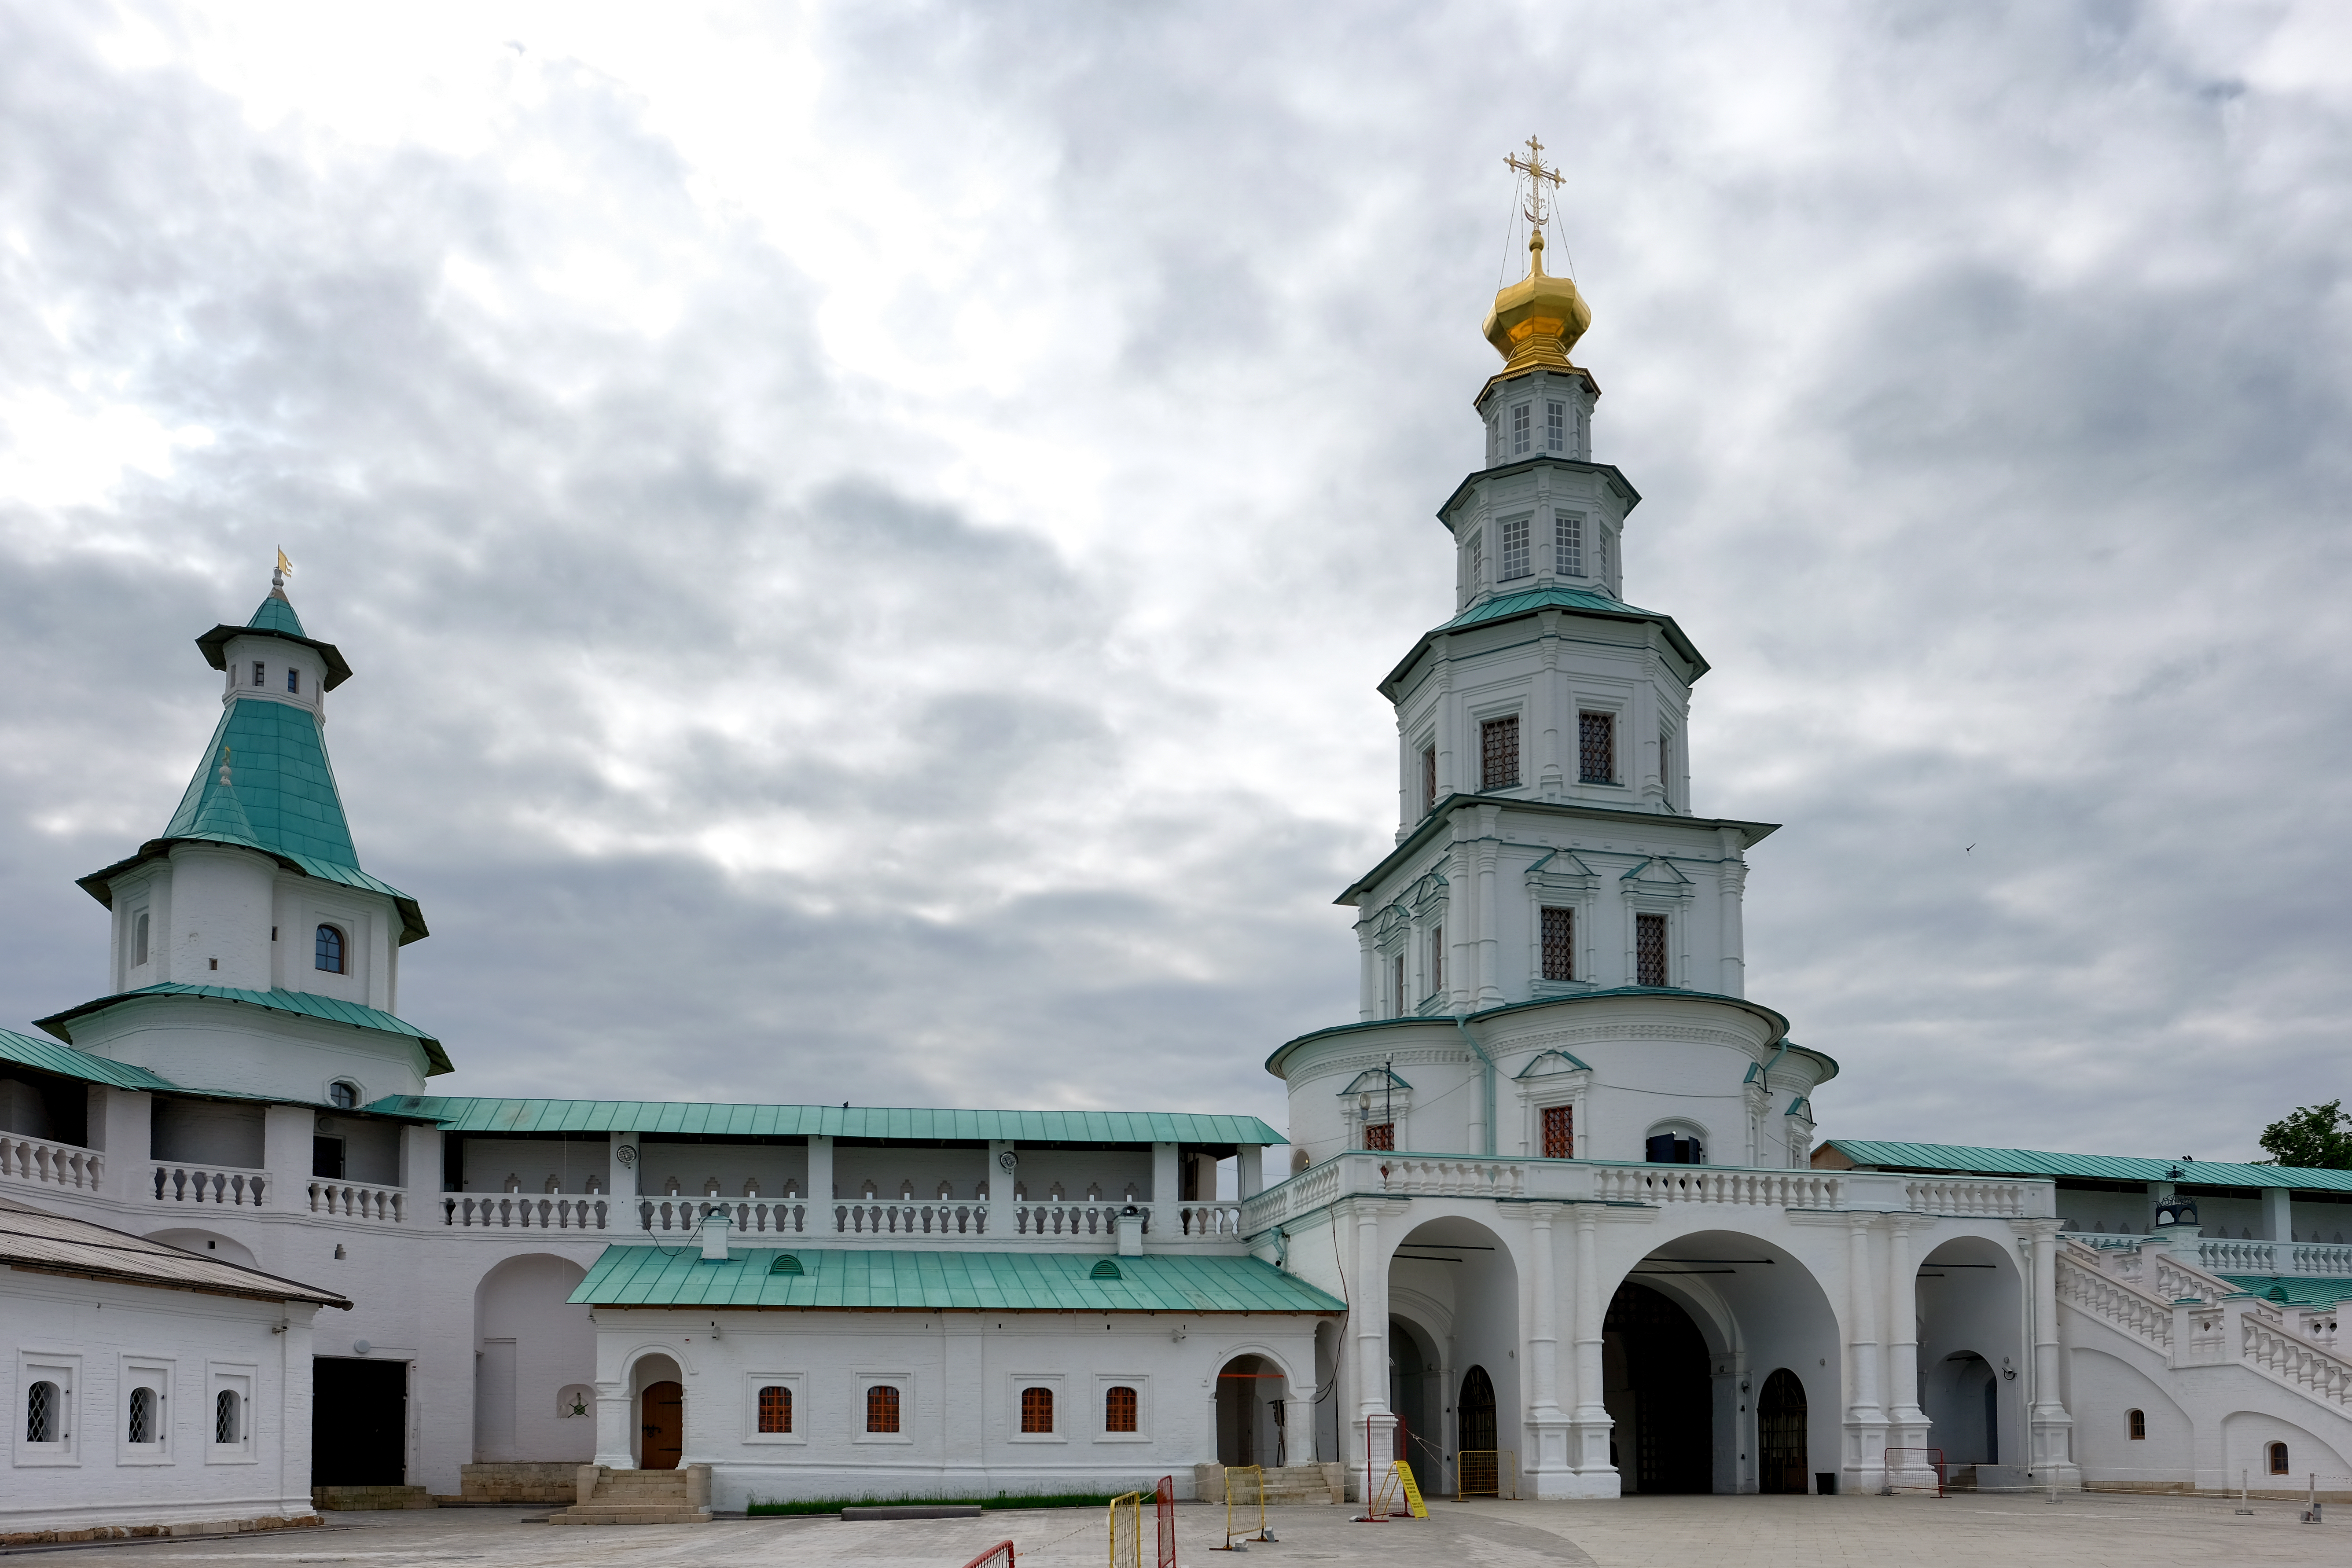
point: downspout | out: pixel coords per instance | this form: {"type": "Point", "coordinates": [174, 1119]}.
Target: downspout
{"type": "Point", "coordinates": [1487, 1076]}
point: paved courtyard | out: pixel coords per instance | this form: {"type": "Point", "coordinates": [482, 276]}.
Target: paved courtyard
{"type": "Point", "coordinates": [1633, 1532]}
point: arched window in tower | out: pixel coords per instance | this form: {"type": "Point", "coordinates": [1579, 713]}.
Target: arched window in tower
{"type": "Point", "coordinates": [1428, 779]}
{"type": "Point", "coordinates": [329, 950]}
{"type": "Point", "coordinates": [139, 939]}
{"type": "Point", "coordinates": [1522, 429]}
{"type": "Point", "coordinates": [2279, 1459]}
{"type": "Point", "coordinates": [1477, 561]}
{"type": "Point", "coordinates": [1402, 1001]}
{"type": "Point", "coordinates": [1666, 766]}
{"type": "Point", "coordinates": [258, 672]}
{"type": "Point", "coordinates": [293, 679]}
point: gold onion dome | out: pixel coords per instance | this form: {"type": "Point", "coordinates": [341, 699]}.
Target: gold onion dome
{"type": "Point", "coordinates": [1537, 320]}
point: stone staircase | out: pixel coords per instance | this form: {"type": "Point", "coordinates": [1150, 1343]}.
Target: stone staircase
{"type": "Point", "coordinates": [1287, 1484]}
{"type": "Point", "coordinates": [607, 1496]}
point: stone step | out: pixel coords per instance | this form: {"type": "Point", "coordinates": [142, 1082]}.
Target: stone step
{"type": "Point", "coordinates": [593, 1514]}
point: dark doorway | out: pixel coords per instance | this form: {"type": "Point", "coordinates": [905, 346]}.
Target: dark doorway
{"type": "Point", "coordinates": [661, 1425]}
{"type": "Point", "coordinates": [1478, 1475]}
{"type": "Point", "coordinates": [358, 1423]}
{"type": "Point", "coordinates": [1249, 1410]}
{"type": "Point", "coordinates": [1993, 1422]}
{"type": "Point", "coordinates": [1781, 1434]}
{"type": "Point", "coordinates": [1667, 1373]}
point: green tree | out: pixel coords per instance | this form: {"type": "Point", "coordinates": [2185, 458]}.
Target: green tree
{"type": "Point", "coordinates": [2317, 1137]}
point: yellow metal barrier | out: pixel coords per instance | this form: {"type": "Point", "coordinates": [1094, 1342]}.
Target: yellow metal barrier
{"type": "Point", "coordinates": [1127, 1530]}
{"type": "Point", "coordinates": [1245, 1498]}
{"type": "Point", "coordinates": [1487, 1472]}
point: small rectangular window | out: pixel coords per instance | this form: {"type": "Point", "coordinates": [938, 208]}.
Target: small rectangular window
{"type": "Point", "coordinates": [293, 679]}
{"type": "Point", "coordinates": [139, 939]}
{"type": "Point", "coordinates": [1559, 945]}
{"type": "Point", "coordinates": [256, 672]}
{"type": "Point", "coordinates": [1404, 1003]}
{"type": "Point", "coordinates": [775, 1408]}
{"type": "Point", "coordinates": [1596, 748]}
{"type": "Point", "coordinates": [1648, 950]}
{"type": "Point", "coordinates": [1568, 544]}
{"type": "Point", "coordinates": [1555, 426]}
{"type": "Point", "coordinates": [1428, 779]}
{"type": "Point", "coordinates": [1380, 1135]}
{"type": "Point", "coordinates": [1118, 1409]}
{"type": "Point", "coordinates": [1436, 959]}
{"type": "Point", "coordinates": [1499, 752]}
{"type": "Point", "coordinates": [1522, 432]}
{"type": "Point", "coordinates": [882, 1408]}
{"type": "Point", "coordinates": [1559, 1133]}
{"type": "Point", "coordinates": [1036, 1410]}
{"type": "Point", "coordinates": [1477, 561]}
{"type": "Point", "coordinates": [1514, 548]}
{"type": "Point", "coordinates": [1666, 766]}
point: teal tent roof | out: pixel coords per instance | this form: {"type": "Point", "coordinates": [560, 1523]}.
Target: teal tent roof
{"type": "Point", "coordinates": [301, 1003]}
{"type": "Point", "coordinates": [1960, 1157]}
{"type": "Point", "coordinates": [276, 614]}
{"type": "Point", "coordinates": [945, 1281]}
{"type": "Point", "coordinates": [275, 619]}
{"type": "Point", "coordinates": [467, 1115]}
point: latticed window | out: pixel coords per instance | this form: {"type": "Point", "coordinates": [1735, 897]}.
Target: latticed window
{"type": "Point", "coordinates": [1568, 544]}
{"type": "Point", "coordinates": [329, 950]}
{"type": "Point", "coordinates": [1380, 1135]}
{"type": "Point", "coordinates": [1402, 1001]}
{"type": "Point", "coordinates": [882, 1408]}
{"type": "Point", "coordinates": [44, 1412]}
{"type": "Point", "coordinates": [1499, 752]}
{"type": "Point", "coordinates": [1522, 429]}
{"type": "Point", "coordinates": [1559, 944]}
{"type": "Point", "coordinates": [2278, 1460]}
{"type": "Point", "coordinates": [2137, 1424]}
{"type": "Point", "coordinates": [1036, 1410]}
{"type": "Point", "coordinates": [1428, 779]}
{"type": "Point", "coordinates": [1596, 748]}
{"type": "Point", "coordinates": [1648, 950]}
{"type": "Point", "coordinates": [1119, 1410]}
{"type": "Point", "coordinates": [1436, 959]}
{"type": "Point", "coordinates": [775, 1408]}
{"type": "Point", "coordinates": [1515, 549]}
{"type": "Point", "coordinates": [228, 1417]}
{"type": "Point", "coordinates": [1477, 560]}
{"type": "Point", "coordinates": [143, 1415]}
{"type": "Point", "coordinates": [1559, 1133]}
{"type": "Point", "coordinates": [1555, 426]}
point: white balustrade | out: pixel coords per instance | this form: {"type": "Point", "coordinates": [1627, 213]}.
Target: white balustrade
{"type": "Point", "coordinates": [1209, 1219]}
{"type": "Point", "coordinates": [356, 1200]}
{"type": "Point", "coordinates": [526, 1211]}
{"type": "Point", "coordinates": [2115, 1302]}
{"type": "Point", "coordinates": [48, 1164]}
{"type": "Point", "coordinates": [900, 1216]}
{"type": "Point", "coordinates": [1955, 1195]}
{"type": "Point", "coordinates": [1067, 1219]}
{"type": "Point", "coordinates": [2224, 1257]}
{"type": "Point", "coordinates": [225, 1185]}
{"type": "Point", "coordinates": [2323, 1258]}
{"type": "Point", "coordinates": [1701, 1185]}
{"type": "Point", "coordinates": [2317, 1372]}
{"type": "Point", "coordinates": [1420, 1175]}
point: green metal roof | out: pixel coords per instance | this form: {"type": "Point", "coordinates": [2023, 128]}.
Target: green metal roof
{"type": "Point", "coordinates": [2098, 1167]}
{"type": "Point", "coordinates": [274, 618]}
{"type": "Point", "coordinates": [298, 1001]}
{"type": "Point", "coordinates": [2299, 1292]}
{"type": "Point", "coordinates": [276, 614]}
{"type": "Point", "coordinates": [945, 1281]}
{"type": "Point", "coordinates": [48, 1055]}
{"type": "Point", "coordinates": [458, 1114]}
{"type": "Point", "coordinates": [1556, 596]}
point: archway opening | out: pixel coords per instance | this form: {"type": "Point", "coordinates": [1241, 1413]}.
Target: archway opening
{"type": "Point", "coordinates": [1781, 1435]}
{"type": "Point", "coordinates": [530, 1342]}
{"type": "Point", "coordinates": [1964, 1403]}
{"type": "Point", "coordinates": [1972, 1343]}
{"type": "Point", "coordinates": [661, 1412]}
{"type": "Point", "coordinates": [1657, 1381]}
{"type": "Point", "coordinates": [1250, 1413]}
{"type": "Point", "coordinates": [1417, 1396]}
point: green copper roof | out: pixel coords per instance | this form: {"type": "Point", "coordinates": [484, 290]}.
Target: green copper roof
{"type": "Point", "coordinates": [467, 1115]}
{"type": "Point", "coordinates": [276, 614]}
{"type": "Point", "coordinates": [2099, 1167]}
{"type": "Point", "coordinates": [48, 1055]}
{"type": "Point", "coordinates": [945, 1281]}
{"type": "Point", "coordinates": [280, 788]}
{"type": "Point", "coordinates": [275, 619]}
{"type": "Point", "coordinates": [2299, 1292]}
{"type": "Point", "coordinates": [1558, 596]}
{"type": "Point", "coordinates": [298, 1001]}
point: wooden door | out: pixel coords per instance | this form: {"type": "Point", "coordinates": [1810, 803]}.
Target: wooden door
{"type": "Point", "coordinates": [1781, 1434]}
{"type": "Point", "coordinates": [661, 1426]}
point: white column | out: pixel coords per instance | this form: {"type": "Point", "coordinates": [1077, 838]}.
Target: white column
{"type": "Point", "coordinates": [1489, 992]}
{"type": "Point", "coordinates": [1551, 778]}
{"type": "Point", "coordinates": [1731, 882]}
{"type": "Point", "coordinates": [1249, 1170]}
{"type": "Point", "coordinates": [1595, 1476]}
{"type": "Point", "coordinates": [621, 1168]}
{"type": "Point", "coordinates": [1373, 1432]}
{"type": "Point", "coordinates": [1368, 972]}
{"type": "Point", "coordinates": [2052, 1429]}
{"type": "Point", "coordinates": [1865, 1422]}
{"type": "Point", "coordinates": [821, 1220]}
{"type": "Point", "coordinates": [1167, 1181]}
{"type": "Point", "coordinates": [1549, 1472]}
{"type": "Point", "coordinates": [2278, 1220]}
{"type": "Point", "coordinates": [121, 1126]}
{"type": "Point", "coordinates": [420, 1170]}
{"type": "Point", "coordinates": [1906, 1422]}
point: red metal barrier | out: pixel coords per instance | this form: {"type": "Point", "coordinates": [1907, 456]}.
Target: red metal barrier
{"type": "Point", "coordinates": [1167, 1501]}
{"type": "Point", "coordinates": [1000, 1552]}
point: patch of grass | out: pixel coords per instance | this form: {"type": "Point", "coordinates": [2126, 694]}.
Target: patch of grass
{"type": "Point", "coordinates": [1002, 1499]}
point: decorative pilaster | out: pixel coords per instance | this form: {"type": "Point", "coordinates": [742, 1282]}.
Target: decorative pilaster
{"type": "Point", "coordinates": [2051, 1433]}
{"type": "Point", "coordinates": [1548, 1472]}
{"type": "Point", "coordinates": [1731, 883]}
{"type": "Point", "coordinates": [1490, 991]}
{"type": "Point", "coordinates": [1865, 1421]}
{"type": "Point", "coordinates": [1372, 1435]}
{"type": "Point", "coordinates": [1906, 1423]}
{"type": "Point", "coordinates": [1368, 969]}
{"type": "Point", "coordinates": [1589, 1431]}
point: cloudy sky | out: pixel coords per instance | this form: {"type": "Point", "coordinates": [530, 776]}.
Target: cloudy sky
{"type": "Point", "coordinates": [866, 533]}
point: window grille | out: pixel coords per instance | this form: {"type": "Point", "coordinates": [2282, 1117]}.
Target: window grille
{"type": "Point", "coordinates": [775, 1408]}
{"type": "Point", "coordinates": [1515, 549]}
{"type": "Point", "coordinates": [1402, 1001]}
{"type": "Point", "coordinates": [882, 1408]}
{"type": "Point", "coordinates": [330, 950]}
{"type": "Point", "coordinates": [1648, 950]}
{"type": "Point", "coordinates": [143, 1415]}
{"type": "Point", "coordinates": [1477, 561]}
{"type": "Point", "coordinates": [1380, 1135]}
{"type": "Point", "coordinates": [344, 1094]}
{"type": "Point", "coordinates": [1036, 1410]}
{"type": "Point", "coordinates": [43, 1412]}
{"type": "Point", "coordinates": [1568, 544]}
{"type": "Point", "coordinates": [1555, 426]}
{"type": "Point", "coordinates": [1521, 430]}
{"type": "Point", "coordinates": [1666, 766]}
{"type": "Point", "coordinates": [1428, 782]}
{"type": "Point", "coordinates": [226, 1426]}
{"type": "Point", "coordinates": [1119, 1410]}
{"type": "Point", "coordinates": [1559, 945]}
{"type": "Point", "coordinates": [2278, 1459]}
{"type": "Point", "coordinates": [1436, 959]}
{"type": "Point", "coordinates": [2137, 1424]}
{"type": "Point", "coordinates": [1559, 1133]}
{"type": "Point", "coordinates": [1596, 748]}
{"type": "Point", "coordinates": [1499, 752]}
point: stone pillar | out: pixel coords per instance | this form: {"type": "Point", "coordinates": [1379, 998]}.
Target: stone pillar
{"type": "Point", "coordinates": [121, 1126]}
{"type": "Point", "coordinates": [1548, 1469]}
{"type": "Point", "coordinates": [286, 1153]}
{"type": "Point", "coordinates": [1167, 1179]}
{"type": "Point", "coordinates": [821, 1218]}
{"type": "Point", "coordinates": [1864, 1461]}
{"type": "Point", "coordinates": [1906, 1422]}
{"type": "Point", "coordinates": [1589, 1433]}
{"type": "Point", "coordinates": [1731, 882]}
{"type": "Point", "coordinates": [1249, 1170]}
{"type": "Point", "coordinates": [623, 1168]}
{"type": "Point", "coordinates": [616, 1413]}
{"type": "Point", "coordinates": [1368, 972]}
{"type": "Point", "coordinates": [421, 1170]}
{"type": "Point", "coordinates": [1372, 1434]}
{"type": "Point", "coordinates": [2052, 1429]}
{"type": "Point", "coordinates": [1489, 988]}
{"type": "Point", "coordinates": [1551, 778]}
{"type": "Point", "coordinates": [2278, 1223]}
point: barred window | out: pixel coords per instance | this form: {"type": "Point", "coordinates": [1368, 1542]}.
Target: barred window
{"type": "Point", "coordinates": [43, 1414]}
{"type": "Point", "coordinates": [1559, 1133]}
{"type": "Point", "coordinates": [1402, 1001]}
{"type": "Point", "coordinates": [1499, 752]}
{"type": "Point", "coordinates": [1515, 549]}
{"type": "Point", "coordinates": [775, 1408]}
{"type": "Point", "coordinates": [1428, 779]}
{"type": "Point", "coordinates": [1036, 1410]}
{"type": "Point", "coordinates": [1559, 945]}
{"type": "Point", "coordinates": [142, 1425]}
{"type": "Point", "coordinates": [1521, 431]}
{"type": "Point", "coordinates": [2278, 1460]}
{"type": "Point", "coordinates": [1118, 1409]}
{"type": "Point", "coordinates": [1596, 748]}
{"type": "Point", "coordinates": [1380, 1135]}
{"type": "Point", "coordinates": [328, 950]}
{"type": "Point", "coordinates": [1568, 544]}
{"type": "Point", "coordinates": [1436, 959]}
{"type": "Point", "coordinates": [1648, 950]}
{"type": "Point", "coordinates": [882, 1408]}
{"type": "Point", "coordinates": [1555, 426]}
{"type": "Point", "coordinates": [228, 1417]}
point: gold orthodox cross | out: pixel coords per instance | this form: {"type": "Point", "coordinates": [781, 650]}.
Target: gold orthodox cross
{"type": "Point", "coordinates": [1532, 166]}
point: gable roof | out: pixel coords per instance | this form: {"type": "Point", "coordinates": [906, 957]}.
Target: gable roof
{"type": "Point", "coordinates": [329, 1008]}
{"type": "Point", "coordinates": [1941, 1158]}
{"type": "Point", "coordinates": [859, 1280]}
{"type": "Point", "coordinates": [44, 1243]}
{"type": "Point", "coordinates": [460, 1114]}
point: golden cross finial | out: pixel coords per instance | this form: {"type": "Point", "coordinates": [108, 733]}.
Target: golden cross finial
{"type": "Point", "coordinates": [1532, 166]}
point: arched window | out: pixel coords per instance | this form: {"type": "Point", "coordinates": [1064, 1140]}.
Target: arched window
{"type": "Point", "coordinates": [142, 1425]}
{"type": "Point", "coordinates": [1119, 1410]}
{"type": "Point", "coordinates": [2136, 1420]}
{"type": "Point", "coordinates": [344, 1094]}
{"type": "Point", "coordinates": [775, 1408]}
{"type": "Point", "coordinates": [330, 950]}
{"type": "Point", "coordinates": [228, 1417]}
{"type": "Point", "coordinates": [2278, 1459]}
{"type": "Point", "coordinates": [1036, 1410]}
{"type": "Point", "coordinates": [138, 939]}
{"type": "Point", "coordinates": [882, 1408]}
{"type": "Point", "coordinates": [43, 1414]}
